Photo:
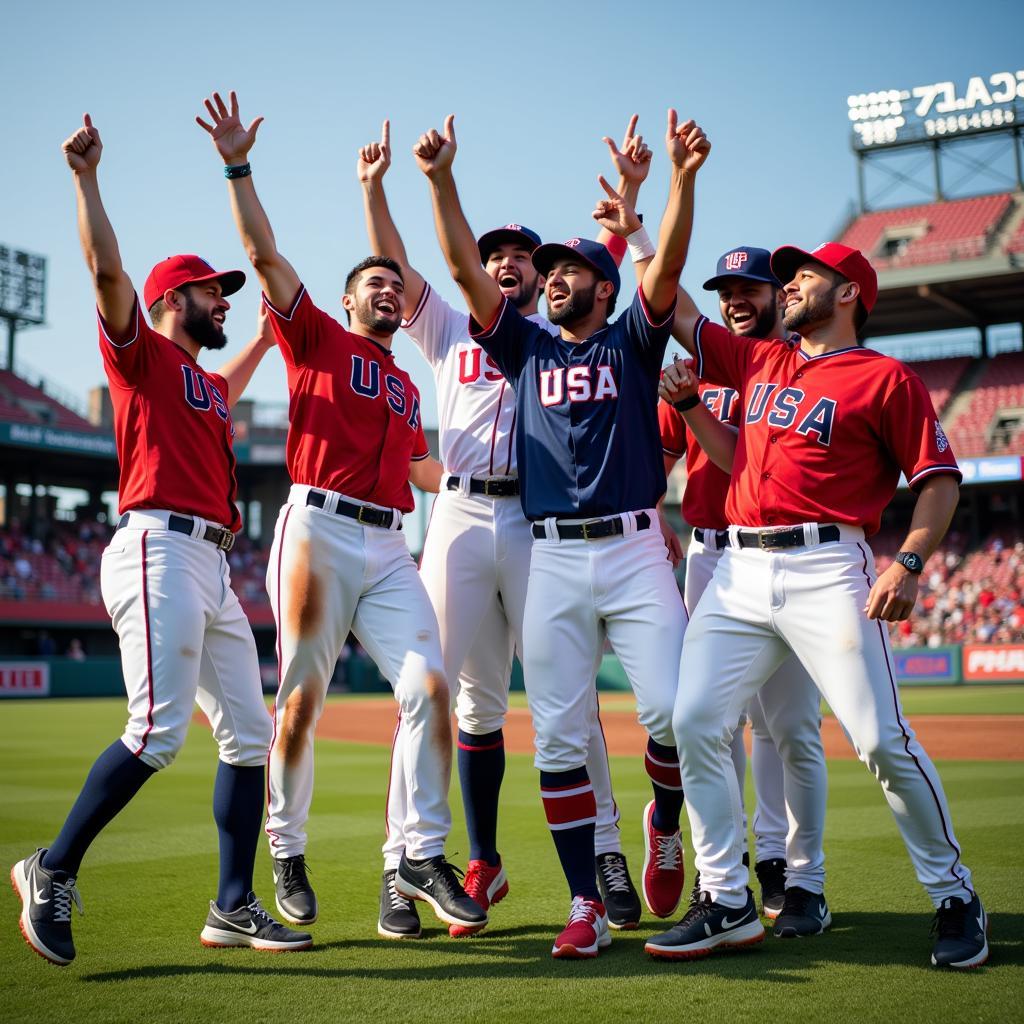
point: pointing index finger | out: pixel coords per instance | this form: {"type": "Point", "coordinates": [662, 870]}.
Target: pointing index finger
{"type": "Point", "coordinates": [630, 128]}
{"type": "Point", "coordinates": [385, 134]}
{"type": "Point", "coordinates": [449, 128]}
{"type": "Point", "coordinates": [612, 194]}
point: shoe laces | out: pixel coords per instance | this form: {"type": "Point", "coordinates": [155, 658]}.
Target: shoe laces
{"type": "Point", "coordinates": [448, 876]}
{"type": "Point", "coordinates": [293, 874]}
{"type": "Point", "coordinates": [668, 854]}
{"type": "Point", "coordinates": [395, 898]}
{"type": "Point", "coordinates": [700, 907]}
{"type": "Point", "coordinates": [475, 884]}
{"type": "Point", "coordinates": [259, 915]}
{"type": "Point", "coordinates": [64, 894]}
{"type": "Point", "coordinates": [583, 910]}
{"type": "Point", "coordinates": [950, 918]}
{"type": "Point", "coordinates": [613, 870]}
{"type": "Point", "coordinates": [796, 901]}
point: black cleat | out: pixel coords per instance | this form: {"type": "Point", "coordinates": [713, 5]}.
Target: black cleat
{"type": "Point", "coordinates": [294, 896]}
{"type": "Point", "coordinates": [251, 926]}
{"type": "Point", "coordinates": [962, 934]}
{"type": "Point", "coordinates": [434, 881]}
{"type": "Point", "coordinates": [398, 917]}
{"type": "Point", "coordinates": [706, 928]}
{"type": "Point", "coordinates": [803, 914]}
{"type": "Point", "coordinates": [771, 874]}
{"type": "Point", "coordinates": [621, 900]}
{"type": "Point", "coordinates": [46, 898]}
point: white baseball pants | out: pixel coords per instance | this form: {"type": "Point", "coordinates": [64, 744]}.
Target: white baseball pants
{"type": "Point", "coordinates": [759, 606]}
{"type": "Point", "coordinates": [184, 640]}
{"type": "Point", "coordinates": [788, 760]}
{"type": "Point", "coordinates": [328, 575]}
{"type": "Point", "coordinates": [582, 593]}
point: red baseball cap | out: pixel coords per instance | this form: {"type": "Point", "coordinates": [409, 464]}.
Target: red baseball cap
{"type": "Point", "coordinates": [176, 271]}
{"type": "Point", "coordinates": [851, 263]}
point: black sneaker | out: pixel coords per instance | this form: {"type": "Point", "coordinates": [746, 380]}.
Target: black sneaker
{"type": "Point", "coordinates": [46, 898]}
{"type": "Point", "coordinates": [708, 927]}
{"type": "Point", "coordinates": [962, 934]}
{"type": "Point", "coordinates": [294, 896]}
{"type": "Point", "coordinates": [803, 913]}
{"type": "Point", "coordinates": [434, 881]}
{"type": "Point", "coordinates": [695, 891]}
{"type": "Point", "coordinates": [771, 874]}
{"type": "Point", "coordinates": [621, 900]}
{"type": "Point", "coordinates": [250, 926]}
{"type": "Point", "coordinates": [398, 917]}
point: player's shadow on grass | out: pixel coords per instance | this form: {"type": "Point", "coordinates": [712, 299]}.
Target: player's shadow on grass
{"type": "Point", "coordinates": [869, 940]}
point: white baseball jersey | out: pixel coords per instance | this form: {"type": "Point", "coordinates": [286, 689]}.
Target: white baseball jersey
{"type": "Point", "coordinates": [476, 406]}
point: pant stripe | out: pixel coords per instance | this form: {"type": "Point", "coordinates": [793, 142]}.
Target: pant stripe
{"type": "Point", "coordinates": [391, 771]}
{"type": "Point", "coordinates": [906, 741]}
{"type": "Point", "coordinates": [149, 649]}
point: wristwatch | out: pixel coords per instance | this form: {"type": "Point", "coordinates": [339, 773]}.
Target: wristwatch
{"type": "Point", "coordinates": [910, 561]}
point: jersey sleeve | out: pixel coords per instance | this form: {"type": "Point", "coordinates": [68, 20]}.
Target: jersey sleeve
{"type": "Point", "coordinates": [299, 329]}
{"type": "Point", "coordinates": [434, 326]}
{"type": "Point", "coordinates": [420, 450]}
{"type": "Point", "coordinates": [913, 435]}
{"type": "Point", "coordinates": [673, 430]}
{"type": "Point", "coordinates": [722, 357]}
{"type": "Point", "coordinates": [506, 339]}
{"type": "Point", "coordinates": [646, 337]}
{"type": "Point", "coordinates": [125, 357]}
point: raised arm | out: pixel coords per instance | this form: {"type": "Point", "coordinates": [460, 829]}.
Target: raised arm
{"type": "Point", "coordinates": [371, 166]}
{"type": "Point", "coordinates": [233, 142]}
{"type": "Point", "coordinates": [239, 370]}
{"type": "Point", "coordinates": [115, 296]}
{"type": "Point", "coordinates": [632, 161]}
{"type": "Point", "coordinates": [688, 148]}
{"type": "Point", "coordinates": [678, 386]}
{"type": "Point", "coordinates": [434, 153]}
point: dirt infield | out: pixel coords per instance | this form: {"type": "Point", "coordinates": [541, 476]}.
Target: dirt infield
{"type": "Point", "coordinates": [945, 737]}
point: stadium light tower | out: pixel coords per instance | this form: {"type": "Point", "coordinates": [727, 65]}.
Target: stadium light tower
{"type": "Point", "coordinates": [22, 293]}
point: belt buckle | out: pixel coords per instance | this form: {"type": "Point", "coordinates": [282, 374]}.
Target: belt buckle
{"type": "Point", "coordinates": [359, 516]}
{"type": "Point", "coordinates": [488, 493]}
{"type": "Point", "coordinates": [226, 540]}
{"type": "Point", "coordinates": [586, 528]}
{"type": "Point", "coordinates": [764, 540]}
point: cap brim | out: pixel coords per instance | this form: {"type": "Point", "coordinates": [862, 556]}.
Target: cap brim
{"type": "Point", "coordinates": [545, 256]}
{"type": "Point", "coordinates": [231, 281]}
{"type": "Point", "coordinates": [489, 241]}
{"type": "Point", "coordinates": [788, 259]}
{"type": "Point", "coordinates": [712, 284]}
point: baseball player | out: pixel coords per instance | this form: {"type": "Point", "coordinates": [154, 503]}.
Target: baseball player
{"type": "Point", "coordinates": [590, 477]}
{"type": "Point", "coordinates": [787, 708]}
{"type": "Point", "coordinates": [476, 557]}
{"type": "Point", "coordinates": [165, 579]}
{"type": "Point", "coordinates": [827, 427]}
{"type": "Point", "coordinates": [338, 562]}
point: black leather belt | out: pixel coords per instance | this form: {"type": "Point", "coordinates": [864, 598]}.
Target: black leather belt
{"type": "Point", "coordinates": [366, 515]}
{"type": "Point", "coordinates": [594, 529]}
{"type": "Point", "coordinates": [721, 536]}
{"type": "Point", "coordinates": [224, 539]}
{"type": "Point", "coordinates": [783, 537]}
{"type": "Point", "coordinates": [493, 487]}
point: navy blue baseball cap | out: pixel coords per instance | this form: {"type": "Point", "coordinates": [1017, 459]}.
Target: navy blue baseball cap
{"type": "Point", "coordinates": [743, 261]}
{"type": "Point", "coordinates": [514, 233]}
{"type": "Point", "coordinates": [593, 253]}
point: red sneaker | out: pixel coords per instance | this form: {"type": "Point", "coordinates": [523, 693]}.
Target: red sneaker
{"type": "Point", "coordinates": [586, 932]}
{"type": "Point", "coordinates": [663, 867]}
{"type": "Point", "coordinates": [486, 884]}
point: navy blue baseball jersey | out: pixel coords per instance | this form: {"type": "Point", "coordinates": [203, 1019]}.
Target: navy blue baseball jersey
{"type": "Point", "coordinates": [587, 441]}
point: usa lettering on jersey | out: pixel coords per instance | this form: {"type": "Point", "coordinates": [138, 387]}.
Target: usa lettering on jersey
{"type": "Point", "coordinates": [721, 402]}
{"type": "Point", "coordinates": [475, 365]}
{"type": "Point", "coordinates": [578, 384]}
{"type": "Point", "coordinates": [365, 381]}
{"type": "Point", "coordinates": [784, 407]}
{"type": "Point", "coordinates": [203, 395]}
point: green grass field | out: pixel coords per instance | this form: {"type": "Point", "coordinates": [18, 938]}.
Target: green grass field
{"type": "Point", "coordinates": [146, 883]}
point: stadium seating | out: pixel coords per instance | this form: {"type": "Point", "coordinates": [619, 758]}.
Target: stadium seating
{"type": "Point", "coordinates": [941, 377]}
{"type": "Point", "coordinates": [1000, 388]}
{"type": "Point", "coordinates": [23, 403]}
{"type": "Point", "coordinates": [958, 230]}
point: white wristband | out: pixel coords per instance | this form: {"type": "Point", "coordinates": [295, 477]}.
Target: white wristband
{"type": "Point", "coordinates": [640, 245]}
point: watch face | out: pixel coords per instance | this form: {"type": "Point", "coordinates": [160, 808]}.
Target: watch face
{"type": "Point", "coordinates": [911, 561]}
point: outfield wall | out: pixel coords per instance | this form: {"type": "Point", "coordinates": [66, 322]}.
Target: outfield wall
{"type": "Point", "coordinates": [101, 677]}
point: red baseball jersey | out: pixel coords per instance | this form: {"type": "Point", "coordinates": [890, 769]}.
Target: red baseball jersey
{"type": "Point", "coordinates": [172, 425]}
{"type": "Point", "coordinates": [354, 416]}
{"type": "Point", "coordinates": [706, 484]}
{"type": "Point", "coordinates": [823, 439]}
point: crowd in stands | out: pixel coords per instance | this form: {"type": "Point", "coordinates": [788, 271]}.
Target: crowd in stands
{"type": "Point", "coordinates": [968, 594]}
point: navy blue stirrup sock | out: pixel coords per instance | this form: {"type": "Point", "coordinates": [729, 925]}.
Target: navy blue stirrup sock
{"type": "Point", "coordinates": [662, 765]}
{"type": "Point", "coordinates": [238, 796]}
{"type": "Point", "coordinates": [481, 770]}
{"type": "Point", "coordinates": [115, 777]}
{"type": "Point", "coordinates": [571, 812]}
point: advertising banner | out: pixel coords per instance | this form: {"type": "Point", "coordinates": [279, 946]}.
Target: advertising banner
{"type": "Point", "coordinates": [1003, 663]}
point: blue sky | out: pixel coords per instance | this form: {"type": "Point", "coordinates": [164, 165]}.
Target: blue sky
{"type": "Point", "coordinates": [534, 87]}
